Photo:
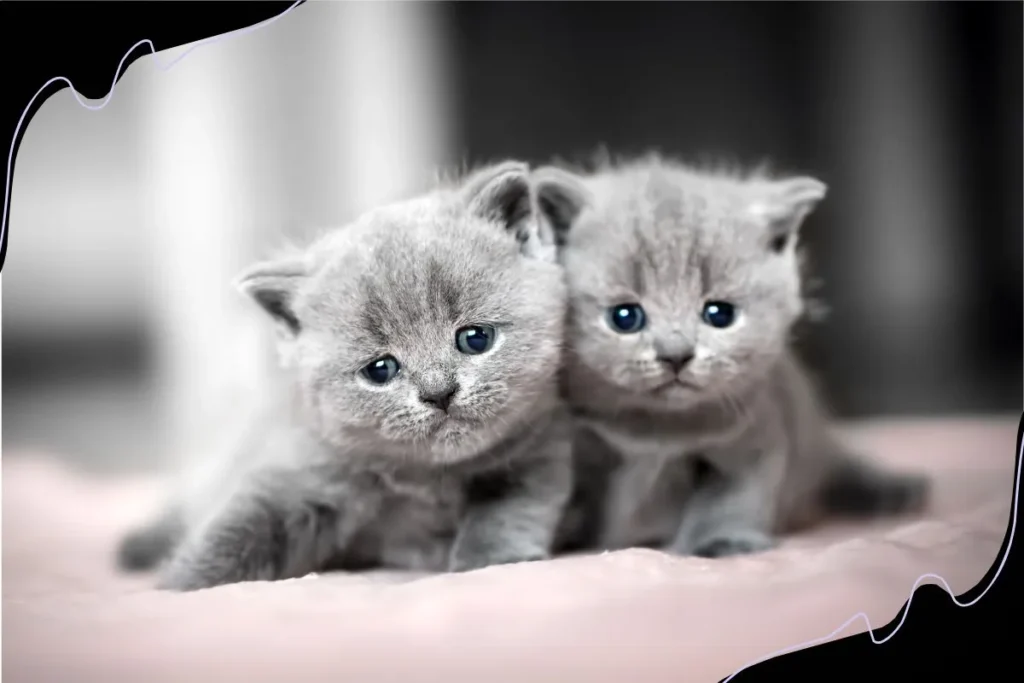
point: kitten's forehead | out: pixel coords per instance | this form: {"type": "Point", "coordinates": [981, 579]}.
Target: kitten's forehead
{"type": "Point", "coordinates": [401, 273]}
{"type": "Point", "coordinates": [658, 229]}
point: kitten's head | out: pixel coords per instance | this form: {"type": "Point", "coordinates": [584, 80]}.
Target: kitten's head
{"type": "Point", "coordinates": [684, 285]}
{"type": "Point", "coordinates": [427, 329]}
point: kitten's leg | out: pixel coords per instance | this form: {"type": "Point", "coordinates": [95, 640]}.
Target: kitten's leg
{"type": "Point", "coordinates": [630, 489]}
{"type": "Point", "coordinates": [733, 512]}
{"type": "Point", "coordinates": [254, 537]}
{"type": "Point", "coordinates": [517, 520]}
{"type": "Point", "coordinates": [144, 548]}
{"type": "Point", "coordinates": [594, 464]}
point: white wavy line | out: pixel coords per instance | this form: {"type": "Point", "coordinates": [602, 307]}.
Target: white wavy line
{"type": "Point", "coordinates": [110, 94]}
{"type": "Point", "coordinates": [921, 579]}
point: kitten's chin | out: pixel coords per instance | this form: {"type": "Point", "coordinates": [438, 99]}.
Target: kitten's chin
{"type": "Point", "coordinates": [674, 396]}
{"type": "Point", "coordinates": [453, 439]}
{"type": "Point", "coordinates": [444, 441]}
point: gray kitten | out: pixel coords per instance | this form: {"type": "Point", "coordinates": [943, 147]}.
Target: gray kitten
{"type": "Point", "coordinates": [697, 428]}
{"type": "Point", "coordinates": [420, 425]}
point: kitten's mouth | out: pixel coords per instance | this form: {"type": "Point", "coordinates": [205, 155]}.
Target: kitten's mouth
{"type": "Point", "coordinates": [453, 418]}
{"type": "Point", "coordinates": [675, 384]}
{"type": "Point", "coordinates": [442, 421]}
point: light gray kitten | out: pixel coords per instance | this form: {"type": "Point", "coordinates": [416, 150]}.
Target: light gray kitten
{"type": "Point", "coordinates": [421, 426]}
{"type": "Point", "coordinates": [698, 429]}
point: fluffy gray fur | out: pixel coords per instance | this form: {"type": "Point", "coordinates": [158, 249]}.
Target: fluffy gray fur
{"type": "Point", "coordinates": [721, 456]}
{"type": "Point", "coordinates": [345, 473]}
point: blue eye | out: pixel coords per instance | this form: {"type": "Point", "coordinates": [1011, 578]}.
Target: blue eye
{"type": "Point", "coordinates": [382, 370]}
{"type": "Point", "coordinates": [475, 339]}
{"type": "Point", "coordinates": [719, 314]}
{"type": "Point", "coordinates": [627, 318]}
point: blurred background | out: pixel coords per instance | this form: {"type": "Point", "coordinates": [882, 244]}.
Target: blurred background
{"type": "Point", "coordinates": [124, 344]}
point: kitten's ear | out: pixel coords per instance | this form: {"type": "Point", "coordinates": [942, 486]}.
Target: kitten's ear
{"type": "Point", "coordinates": [273, 286]}
{"type": "Point", "coordinates": [785, 205]}
{"type": "Point", "coordinates": [561, 196]}
{"type": "Point", "coordinates": [502, 194]}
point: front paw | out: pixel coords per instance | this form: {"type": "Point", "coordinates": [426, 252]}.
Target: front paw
{"type": "Point", "coordinates": [186, 573]}
{"type": "Point", "coordinates": [142, 550]}
{"type": "Point", "coordinates": [730, 544]}
{"type": "Point", "coordinates": [468, 561]}
{"type": "Point", "coordinates": [178, 580]}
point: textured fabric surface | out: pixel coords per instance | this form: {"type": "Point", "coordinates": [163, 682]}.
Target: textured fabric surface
{"type": "Point", "coordinates": [630, 615]}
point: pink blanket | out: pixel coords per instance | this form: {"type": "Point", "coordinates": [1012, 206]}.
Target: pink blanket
{"type": "Point", "coordinates": [632, 615]}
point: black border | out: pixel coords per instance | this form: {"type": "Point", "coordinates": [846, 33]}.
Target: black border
{"type": "Point", "coordinates": [85, 41]}
{"type": "Point", "coordinates": [938, 637]}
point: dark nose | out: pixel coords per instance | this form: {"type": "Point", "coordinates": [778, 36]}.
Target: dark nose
{"type": "Point", "coordinates": [674, 351]}
{"type": "Point", "coordinates": [677, 361]}
{"type": "Point", "coordinates": [440, 398]}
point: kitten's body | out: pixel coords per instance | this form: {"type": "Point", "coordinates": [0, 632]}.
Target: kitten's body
{"type": "Point", "coordinates": [457, 460]}
{"type": "Point", "coordinates": [720, 455]}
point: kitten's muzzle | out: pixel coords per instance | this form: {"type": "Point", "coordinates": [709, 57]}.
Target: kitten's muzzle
{"type": "Point", "coordinates": [440, 397]}
{"type": "Point", "coordinates": [673, 351]}
{"type": "Point", "coordinates": [675, 360]}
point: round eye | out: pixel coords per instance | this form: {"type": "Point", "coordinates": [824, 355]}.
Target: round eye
{"type": "Point", "coordinates": [475, 339]}
{"type": "Point", "coordinates": [382, 370]}
{"type": "Point", "coordinates": [719, 314]}
{"type": "Point", "coordinates": [627, 318]}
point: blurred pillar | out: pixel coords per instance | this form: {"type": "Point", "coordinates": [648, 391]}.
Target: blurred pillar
{"type": "Point", "coordinates": [200, 206]}
{"type": "Point", "coordinates": [373, 83]}
{"type": "Point", "coordinates": [270, 136]}
{"type": "Point", "coordinates": [899, 291]}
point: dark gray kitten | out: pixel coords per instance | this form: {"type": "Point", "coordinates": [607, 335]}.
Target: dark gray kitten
{"type": "Point", "coordinates": [697, 428]}
{"type": "Point", "coordinates": [420, 425]}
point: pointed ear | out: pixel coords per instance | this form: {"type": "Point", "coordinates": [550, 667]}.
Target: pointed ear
{"type": "Point", "coordinates": [561, 196]}
{"type": "Point", "coordinates": [502, 194]}
{"type": "Point", "coordinates": [273, 286]}
{"type": "Point", "coordinates": [785, 205]}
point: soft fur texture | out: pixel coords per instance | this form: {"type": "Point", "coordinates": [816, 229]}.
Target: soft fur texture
{"type": "Point", "coordinates": [460, 460]}
{"type": "Point", "coordinates": [708, 440]}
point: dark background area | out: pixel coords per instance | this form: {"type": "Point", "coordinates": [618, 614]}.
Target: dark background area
{"type": "Point", "coordinates": [749, 81]}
